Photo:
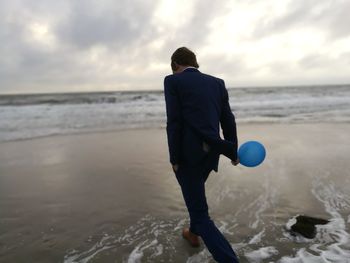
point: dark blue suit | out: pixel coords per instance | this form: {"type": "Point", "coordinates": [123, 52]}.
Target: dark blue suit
{"type": "Point", "coordinates": [196, 105]}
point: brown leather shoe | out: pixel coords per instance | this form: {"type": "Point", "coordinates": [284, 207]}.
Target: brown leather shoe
{"type": "Point", "coordinates": [190, 237]}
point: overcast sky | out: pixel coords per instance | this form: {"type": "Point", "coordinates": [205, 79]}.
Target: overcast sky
{"type": "Point", "coordinates": [85, 45]}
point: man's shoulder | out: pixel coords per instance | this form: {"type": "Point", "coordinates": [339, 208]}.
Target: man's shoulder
{"type": "Point", "coordinates": [213, 77]}
{"type": "Point", "coordinates": [170, 78]}
{"type": "Point", "coordinates": [175, 77]}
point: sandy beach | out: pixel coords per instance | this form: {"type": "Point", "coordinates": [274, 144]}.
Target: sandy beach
{"type": "Point", "coordinates": [112, 197]}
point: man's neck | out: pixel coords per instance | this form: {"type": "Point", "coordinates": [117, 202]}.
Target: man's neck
{"type": "Point", "coordinates": [182, 68]}
{"type": "Point", "coordinates": [188, 67]}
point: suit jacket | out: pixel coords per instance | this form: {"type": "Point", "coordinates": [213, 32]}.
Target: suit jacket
{"type": "Point", "coordinates": [196, 105]}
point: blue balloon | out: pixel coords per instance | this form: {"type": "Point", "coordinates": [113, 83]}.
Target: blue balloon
{"type": "Point", "coordinates": [251, 153]}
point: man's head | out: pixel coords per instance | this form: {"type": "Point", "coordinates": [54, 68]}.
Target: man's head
{"type": "Point", "coordinates": [181, 58]}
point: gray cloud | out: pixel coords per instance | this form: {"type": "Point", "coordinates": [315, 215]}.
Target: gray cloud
{"type": "Point", "coordinates": [120, 35]}
{"type": "Point", "coordinates": [78, 26]}
{"type": "Point", "coordinates": [195, 31]}
{"type": "Point", "coordinates": [329, 16]}
{"type": "Point", "coordinates": [318, 61]}
{"type": "Point", "coordinates": [225, 66]}
{"type": "Point", "coordinates": [107, 23]}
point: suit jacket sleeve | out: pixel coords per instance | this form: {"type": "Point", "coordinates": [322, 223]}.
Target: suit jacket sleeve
{"type": "Point", "coordinates": [174, 120]}
{"type": "Point", "coordinates": [227, 120]}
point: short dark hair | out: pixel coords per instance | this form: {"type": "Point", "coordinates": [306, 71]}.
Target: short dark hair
{"type": "Point", "coordinates": [184, 57]}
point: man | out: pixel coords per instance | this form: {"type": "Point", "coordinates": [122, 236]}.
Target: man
{"type": "Point", "coordinates": [196, 105]}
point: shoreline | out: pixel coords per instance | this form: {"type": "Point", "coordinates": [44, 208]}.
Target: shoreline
{"type": "Point", "coordinates": [112, 195]}
{"type": "Point", "coordinates": [243, 124]}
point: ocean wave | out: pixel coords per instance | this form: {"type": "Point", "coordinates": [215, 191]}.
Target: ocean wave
{"type": "Point", "coordinates": [31, 116]}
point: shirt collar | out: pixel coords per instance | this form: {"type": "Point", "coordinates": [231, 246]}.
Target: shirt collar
{"type": "Point", "coordinates": [189, 67]}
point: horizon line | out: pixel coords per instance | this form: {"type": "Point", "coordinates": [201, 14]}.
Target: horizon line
{"type": "Point", "coordinates": [157, 90]}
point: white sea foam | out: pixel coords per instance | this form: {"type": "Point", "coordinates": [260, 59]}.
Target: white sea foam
{"type": "Point", "coordinates": [202, 257]}
{"type": "Point", "coordinates": [257, 238]}
{"type": "Point", "coordinates": [226, 227]}
{"type": "Point", "coordinates": [25, 117]}
{"type": "Point", "coordinates": [154, 240]}
{"type": "Point", "coordinates": [263, 202]}
{"type": "Point", "coordinates": [260, 254]}
{"type": "Point", "coordinates": [147, 235]}
{"type": "Point", "coordinates": [332, 242]}
{"type": "Point", "coordinates": [137, 253]}
{"type": "Point", "coordinates": [180, 224]}
{"type": "Point", "coordinates": [291, 222]}
{"type": "Point", "coordinates": [75, 257]}
{"type": "Point", "coordinates": [130, 236]}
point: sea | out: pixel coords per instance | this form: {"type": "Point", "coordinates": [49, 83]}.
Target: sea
{"type": "Point", "coordinates": [114, 198]}
{"type": "Point", "coordinates": [27, 116]}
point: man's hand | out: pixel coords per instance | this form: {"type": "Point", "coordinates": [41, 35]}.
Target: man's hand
{"type": "Point", "coordinates": [175, 167]}
{"type": "Point", "coordinates": [235, 162]}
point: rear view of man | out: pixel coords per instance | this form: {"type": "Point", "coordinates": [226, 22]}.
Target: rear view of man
{"type": "Point", "coordinates": [196, 105]}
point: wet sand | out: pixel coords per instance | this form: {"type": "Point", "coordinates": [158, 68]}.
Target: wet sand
{"type": "Point", "coordinates": [112, 197]}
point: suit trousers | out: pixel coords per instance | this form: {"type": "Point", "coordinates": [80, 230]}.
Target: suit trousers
{"type": "Point", "coordinates": [192, 181]}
